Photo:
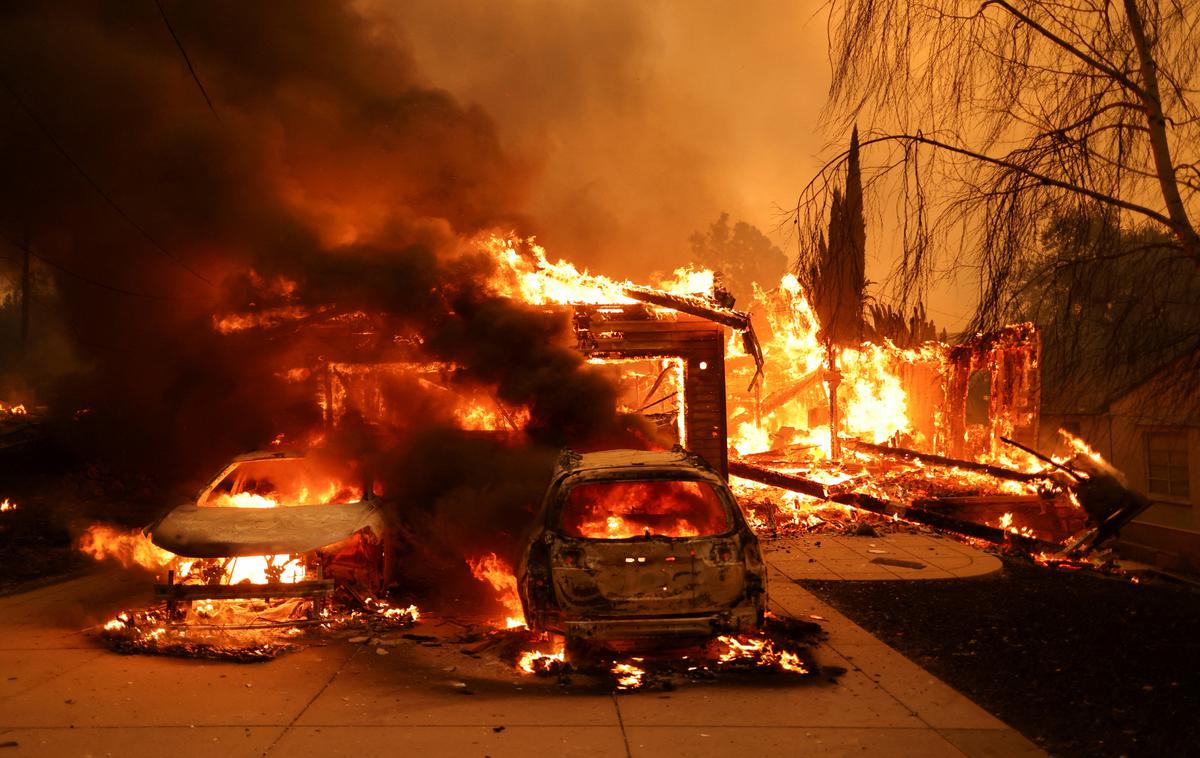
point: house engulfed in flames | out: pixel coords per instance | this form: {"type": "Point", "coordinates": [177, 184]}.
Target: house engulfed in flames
{"type": "Point", "coordinates": [924, 430]}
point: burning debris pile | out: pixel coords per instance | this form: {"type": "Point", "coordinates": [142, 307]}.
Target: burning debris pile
{"type": "Point", "coordinates": [18, 426]}
{"type": "Point", "coordinates": [766, 654]}
{"type": "Point", "coordinates": [247, 631]}
{"type": "Point", "coordinates": [781, 649]}
{"type": "Point", "coordinates": [934, 435]}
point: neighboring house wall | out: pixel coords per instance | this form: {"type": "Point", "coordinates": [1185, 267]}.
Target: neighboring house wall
{"type": "Point", "coordinates": [1157, 446]}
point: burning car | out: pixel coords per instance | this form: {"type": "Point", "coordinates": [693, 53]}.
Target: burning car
{"type": "Point", "coordinates": [633, 545]}
{"type": "Point", "coordinates": [275, 525]}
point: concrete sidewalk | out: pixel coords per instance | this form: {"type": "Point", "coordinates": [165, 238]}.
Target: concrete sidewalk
{"type": "Point", "coordinates": [63, 695]}
{"type": "Point", "coordinates": [887, 557]}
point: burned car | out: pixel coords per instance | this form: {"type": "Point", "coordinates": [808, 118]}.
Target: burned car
{"type": "Point", "coordinates": [634, 545]}
{"type": "Point", "coordinates": [275, 525]}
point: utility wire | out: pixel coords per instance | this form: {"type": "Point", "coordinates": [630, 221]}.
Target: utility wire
{"type": "Point", "coordinates": [186, 59]}
{"type": "Point", "coordinates": [85, 277]}
{"type": "Point", "coordinates": [95, 186]}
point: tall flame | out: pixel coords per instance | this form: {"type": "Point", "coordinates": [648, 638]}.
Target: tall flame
{"type": "Point", "coordinates": [525, 273]}
{"type": "Point", "coordinates": [872, 398]}
{"type": "Point", "coordinates": [496, 572]}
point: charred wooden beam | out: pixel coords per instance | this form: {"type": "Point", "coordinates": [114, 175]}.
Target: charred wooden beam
{"type": "Point", "coordinates": [941, 460]}
{"type": "Point", "coordinates": [691, 304]}
{"type": "Point", "coordinates": [876, 505]}
{"type": "Point", "coordinates": [778, 479]}
{"type": "Point", "coordinates": [785, 395]}
{"type": "Point", "coordinates": [1044, 459]}
{"type": "Point", "coordinates": [1008, 502]}
{"type": "Point", "coordinates": [706, 309]}
{"type": "Point", "coordinates": [782, 454]}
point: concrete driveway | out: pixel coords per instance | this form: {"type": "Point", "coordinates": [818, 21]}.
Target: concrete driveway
{"type": "Point", "coordinates": [62, 694]}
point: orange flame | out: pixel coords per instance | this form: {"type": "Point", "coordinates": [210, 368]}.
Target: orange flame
{"type": "Point", "coordinates": [540, 662]}
{"type": "Point", "coordinates": [133, 548]}
{"type": "Point", "coordinates": [620, 510]}
{"type": "Point", "coordinates": [525, 273]}
{"type": "Point", "coordinates": [256, 569]}
{"type": "Point", "coordinates": [628, 676]}
{"type": "Point", "coordinates": [243, 500]}
{"type": "Point", "coordinates": [496, 572]}
{"type": "Point", "coordinates": [129, 547]}
{"type": "Point", "coordinates": [873, 402]}
{"type": "Point", "coordinates": [760, 651]}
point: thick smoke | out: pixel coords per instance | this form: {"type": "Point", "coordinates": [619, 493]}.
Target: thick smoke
{"type": "Point", "coordinates": [326, 175]}
{"type": "Point", "coordinates": [648, 120]}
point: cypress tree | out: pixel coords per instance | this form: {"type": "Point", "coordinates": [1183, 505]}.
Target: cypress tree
{"type": "Point", "coordinates": [840, 278]}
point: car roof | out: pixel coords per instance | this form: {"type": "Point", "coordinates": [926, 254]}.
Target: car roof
{"type": "Point", "coordinates": [267, 455]}
{"type": "Point", "coordinates": [611, 458]}
{"type": "Point", "coordinates": [603, 460]}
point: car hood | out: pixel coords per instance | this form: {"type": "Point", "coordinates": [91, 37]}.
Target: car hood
{"type": "Point", "coordinates": [195, 532]}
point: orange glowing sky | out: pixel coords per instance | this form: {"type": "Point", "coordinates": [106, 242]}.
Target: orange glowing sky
{"type": "Point", "coordinates": [647, 120]}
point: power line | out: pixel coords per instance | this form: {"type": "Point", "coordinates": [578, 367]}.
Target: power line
{"type": "Point", "coordinates": [186, 59]}
{"type": "Point", "coordinates": [95, 186]}
{"type": "Point", "coordinates": [85, 277]}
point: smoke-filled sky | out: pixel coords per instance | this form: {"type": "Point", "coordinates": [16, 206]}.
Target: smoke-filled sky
{"type": "Point", "coordinates": [644, 120]}
{"type": "Point", "coordinates": [615, 129]}
{"type": "Point", "coordinates": [328, 174]}
{"type": "Point", "coordinates": [349, 156]}
{"type": "Point", "coordinates": [347, 133]}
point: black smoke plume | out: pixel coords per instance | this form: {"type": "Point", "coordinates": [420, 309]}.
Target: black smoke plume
{"type": "Point", "coordinates": [325, 175]}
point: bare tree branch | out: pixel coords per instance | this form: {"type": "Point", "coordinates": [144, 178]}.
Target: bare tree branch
{"type": "Point", "coordinates": [1104, 68]}
{"type": "Point", "coordinates": [985, 125]}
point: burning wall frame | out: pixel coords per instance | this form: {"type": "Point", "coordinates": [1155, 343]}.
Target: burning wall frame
{"type": "Point", "coordinates": [640, 331]}
{"type": "Point", "coordinates": [1011, 356]}
{"type": "Point", "coordinates": [656, 329]}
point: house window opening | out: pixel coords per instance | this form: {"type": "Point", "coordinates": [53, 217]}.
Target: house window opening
{"type": "Point", "coordinates": [1167, 464]}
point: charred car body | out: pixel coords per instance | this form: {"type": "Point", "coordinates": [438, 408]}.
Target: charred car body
{"type": "Point", "coordinates": [633, 545]}
{"type": "Point", "coordinates": [275, 525]}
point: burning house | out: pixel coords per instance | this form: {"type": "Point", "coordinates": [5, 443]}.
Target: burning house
{"type": "Point", "coordinates": [279, 338]}
{"type": "Point", "coordinates": [932, 435]}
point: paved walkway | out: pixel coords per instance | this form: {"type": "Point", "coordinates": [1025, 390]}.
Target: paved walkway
{"type": "Point", "coordinates": [62, 695]}
{"type": "Point", "coordinates": [893, 556]}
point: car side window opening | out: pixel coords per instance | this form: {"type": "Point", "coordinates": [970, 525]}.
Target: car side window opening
{"type": "Point", "coordinates": [614, 510]}
{"type": "Point", "coordinates": [282, 482]}
{"type": "Point", "coordinates": [224, 487]}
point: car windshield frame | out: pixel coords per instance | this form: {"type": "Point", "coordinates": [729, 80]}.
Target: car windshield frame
{"type": "Point", "coordinates": [203, 500]}
{"type": "Point", "coordinates": [563, 490]}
